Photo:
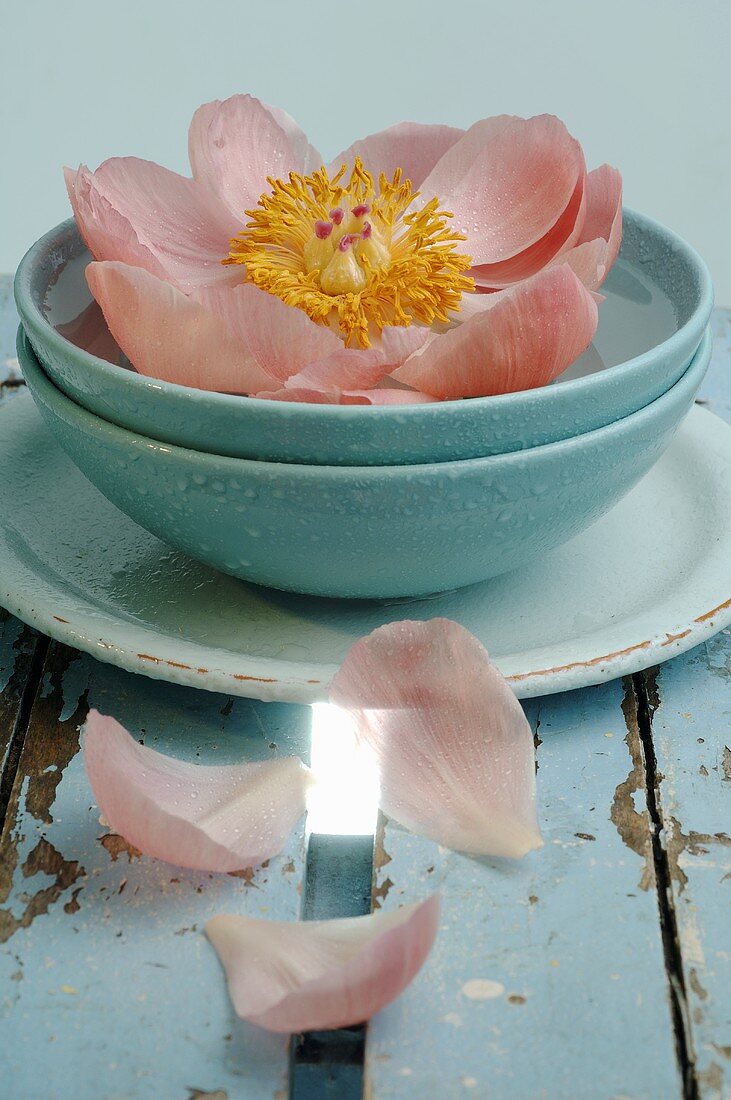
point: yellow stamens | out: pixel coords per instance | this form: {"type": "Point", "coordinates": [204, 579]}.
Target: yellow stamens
{"type": "Point", "coordinates": [351, 255]}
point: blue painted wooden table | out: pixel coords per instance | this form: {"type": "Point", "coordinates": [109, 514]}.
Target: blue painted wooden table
{"type": "Point", "coordinates": [596, 968]}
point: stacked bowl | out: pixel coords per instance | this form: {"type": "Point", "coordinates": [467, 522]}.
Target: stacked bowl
{"type": "Point", "coordinates": [372, 501]}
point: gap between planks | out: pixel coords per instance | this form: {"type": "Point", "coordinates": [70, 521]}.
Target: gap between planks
{"type": "Point", "coordinates": [32, 671]}
{"type": "Point", "coordinates": [646, 701]}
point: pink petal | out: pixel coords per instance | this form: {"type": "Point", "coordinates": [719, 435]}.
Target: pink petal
{"type": "Point", "coordinates": [523, 338]}
{"type": "Point", "coordinates": [385, 396]}
{"type": "Point", "coordinates": [107, 233]}
{"type": "Point", "coordinates": [317, 975]}
{"type": "Point", "coordinates": [454, 748]}
{"type": "Point", "coordinates": [411, 146]}
{"type": "Point", "coordinates": [382, 395]}
{"type": "Point", "coordinates": [556, 242]}
{"type": "Point", "coordinates": [210, 818]}
{"type": "Point", "coordinates": [281, 338]}
{"type": "Point", "coordinates": [169, 336]}
{"type": "Point", "coordinates": [309, 396]}
{"type": "Point", "coordinates": [307, 158]}
{"type": "Point", "coordinates": [604, 211]}
{"type": "Point", "coordinates": [514, 191]}
{"type": "Point", "coordinates": [140, 213]}
{"type": "Point", "coordinates": [588, 261]}
{"type": "Point", "coordinates": [236, 143]}
{"type": "Point", "coordinates": [457, 160]}
{"type": "Point", "coordinates": [349, 368]}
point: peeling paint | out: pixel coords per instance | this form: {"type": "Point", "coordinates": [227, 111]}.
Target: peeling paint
{"type": "Point", "coordinates": [696, 844]}
{"type": "Point", "coordinates": [726, 764]}
{"type": "Point", "coordinates": [632, 825]}
{"type": "Point", "coordinates": [695, 985]}
{"type": "Point", "coordinates": [381, 859]}
{"type": "Point", "coordinates": [47, 753]}
{"type": "Point", "coordinates": [47, 860]}
{"type": "Point", "coordinates": [248, 874]}
{"type": "Point", "coordinates": [710, 1081]}
{"type": "Point", "coordinates": [380, 892]}
{"type": "Point", "coordinates": [116, 846]}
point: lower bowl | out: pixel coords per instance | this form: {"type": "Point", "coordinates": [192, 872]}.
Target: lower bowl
{"type": "Point", "coordinates": [369, 532]}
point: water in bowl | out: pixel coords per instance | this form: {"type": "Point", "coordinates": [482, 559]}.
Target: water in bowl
{"type": "Point", "coordinates": [635, 316]}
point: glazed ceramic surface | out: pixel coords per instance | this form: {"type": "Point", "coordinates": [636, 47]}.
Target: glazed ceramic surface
{"type": "Point", "coordinates": [657, 307]}
{"type": "Point", "coordinates": [365, 532]}
{"type": "Point", "coordinates": [649, 580]}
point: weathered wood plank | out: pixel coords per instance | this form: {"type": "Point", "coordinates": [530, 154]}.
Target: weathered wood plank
{"type": "Point", "coordinates": [17, 647]}
{"type": "Point", "coordinates": [692, 736]}
{"type": "Point", "coordinates": [109, 986]}
{"type": "Point", "coordinates": [548, 977]}
{"type": "Point", "coordinates": [17, 642]}
{"type": "Point", "coordinates": [691, 724]}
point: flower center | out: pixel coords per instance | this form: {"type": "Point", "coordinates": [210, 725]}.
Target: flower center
{"type": "Point", "coordinates": [352, 255]}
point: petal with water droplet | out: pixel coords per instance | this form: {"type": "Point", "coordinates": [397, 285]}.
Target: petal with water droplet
{"type": "Point", "coordinates": [454, 748]}
{"type": "Point", "coordinates": [517, 339]}
{"type": "Point", "coordinates": [220, 818]}
{"type": "Point", "coordinates": [311, 975]}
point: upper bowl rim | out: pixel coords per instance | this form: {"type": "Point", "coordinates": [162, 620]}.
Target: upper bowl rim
{"type": "Point", "coordinates": [36, 321]}
{"type": "Point", "coordinates": [91, 422]}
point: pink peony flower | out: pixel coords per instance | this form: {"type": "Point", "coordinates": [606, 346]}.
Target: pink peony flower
{"type": "Point", "coordinates": [424, 263]}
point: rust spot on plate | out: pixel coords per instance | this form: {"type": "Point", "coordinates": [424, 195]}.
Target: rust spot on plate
{"type": "Point", "coordinates": [256, 679]}
{"type": "Point", "coordinates": [314, 681]}
{"type": "Point", "coordinates": [176, 664]}
{"type": "Point", "coordinates": [721, 607]}
{"type": "Point", "coordinates": [59, 619]}
{"type": "Point", "coordinates": [605, 658]}
{"type": "Point", "coordinates": [670, 638]}
{"type": "Point", "coordinates": [203, 670]}
{"type": "Point", "coordinates": [149, 657]}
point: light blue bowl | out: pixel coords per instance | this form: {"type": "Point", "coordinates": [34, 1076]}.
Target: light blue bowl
{"type": "Point", "coordinates": [659, 300]}
{"type": "Point", "coordinates": [370, 531]}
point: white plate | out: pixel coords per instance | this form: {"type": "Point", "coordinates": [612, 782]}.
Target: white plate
{"type": "Point", "coordinates": [648, 581]}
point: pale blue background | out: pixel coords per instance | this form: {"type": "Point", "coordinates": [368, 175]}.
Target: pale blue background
{"type": "Point", "coordinates": [644, 84]}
